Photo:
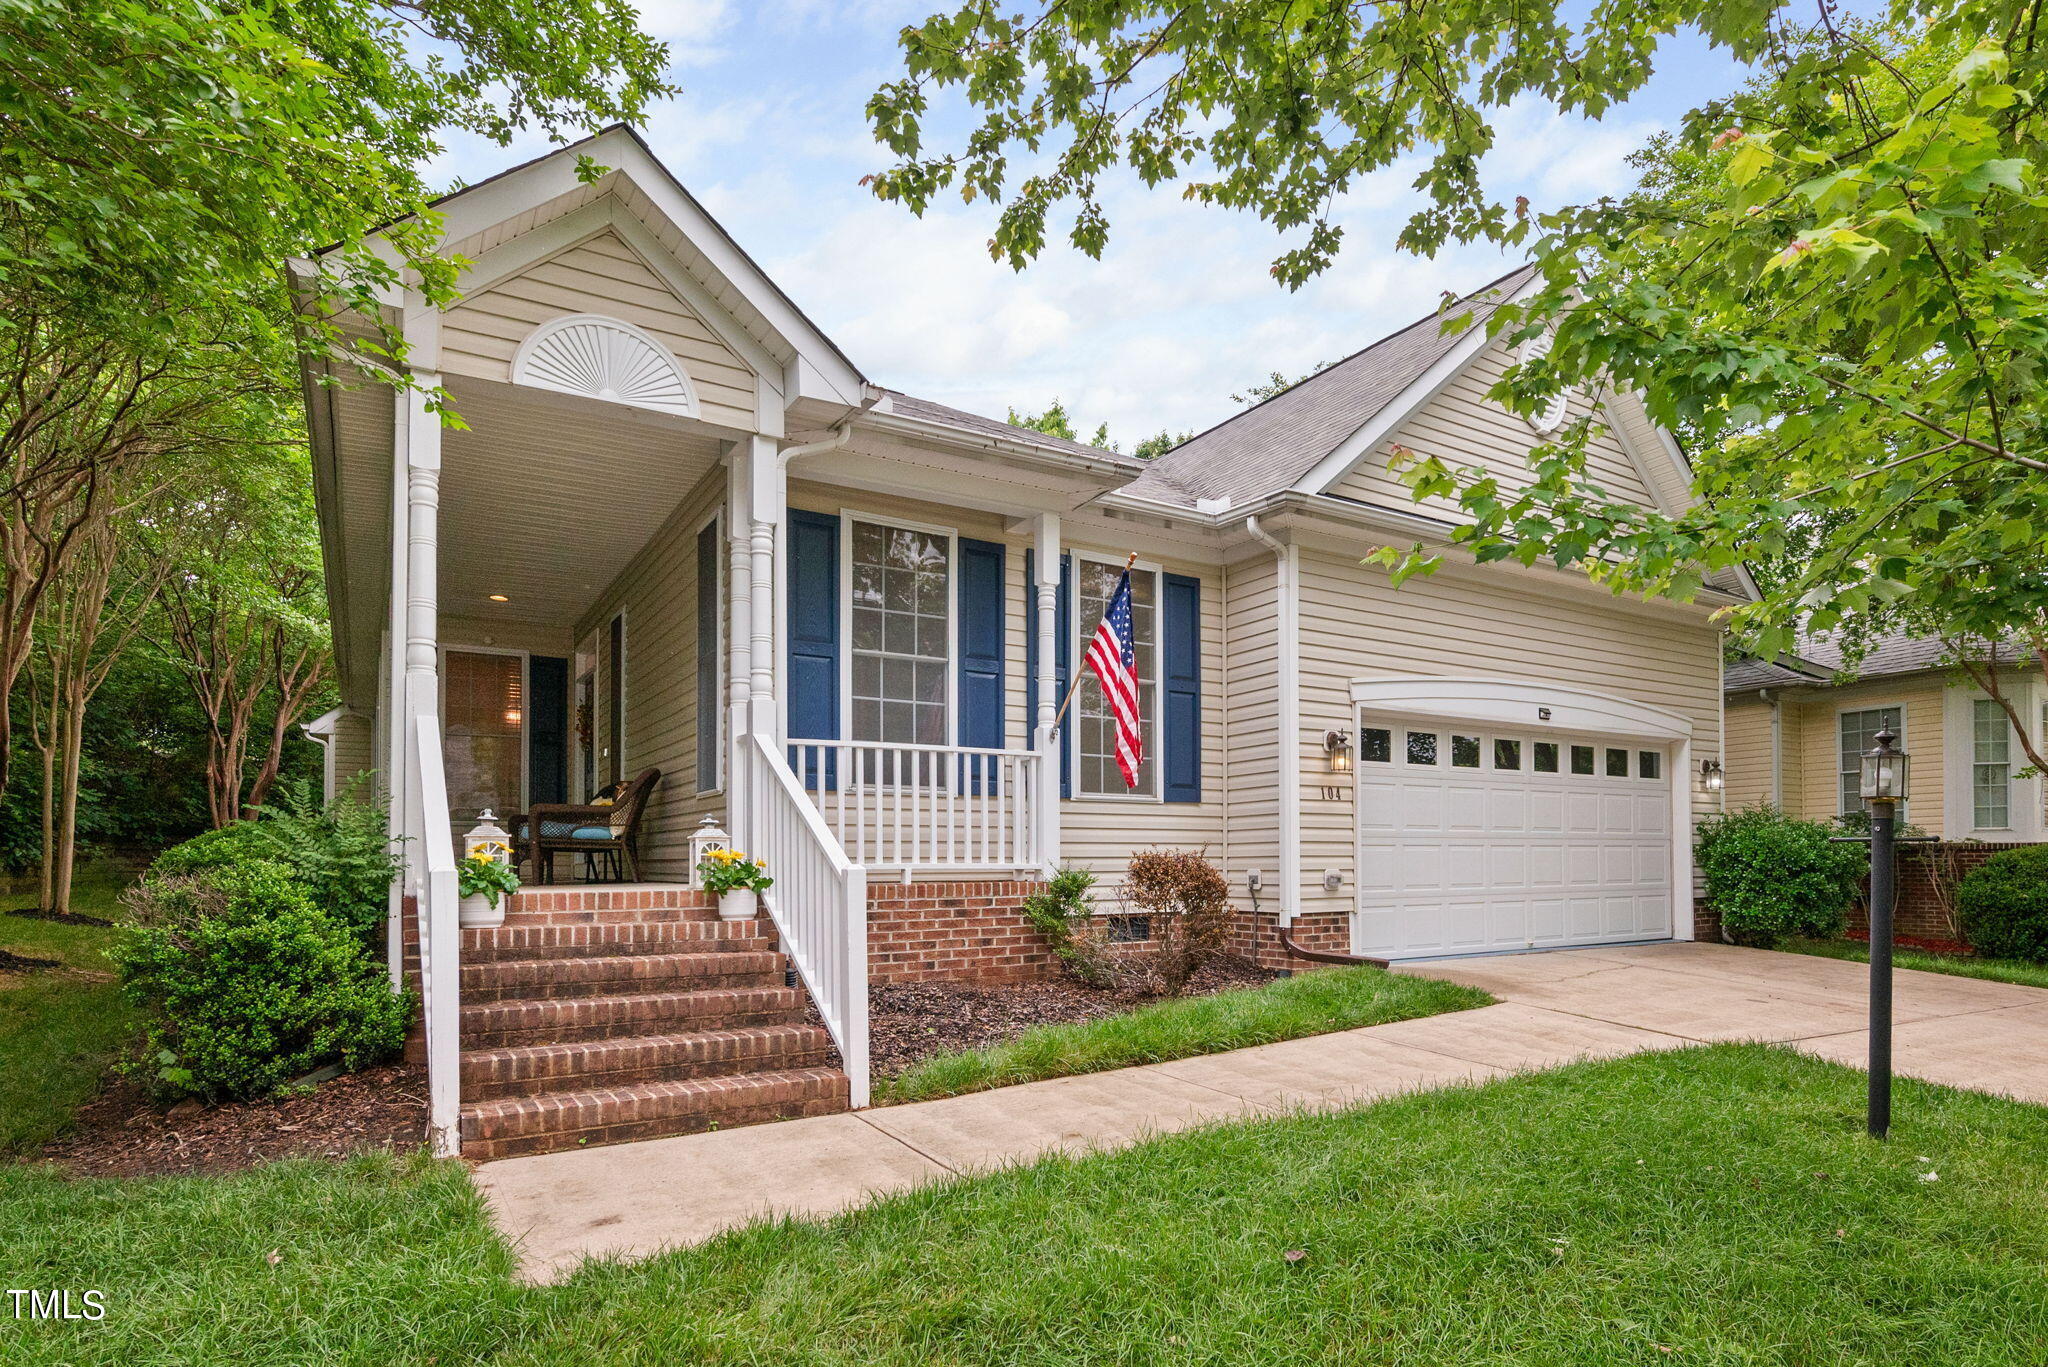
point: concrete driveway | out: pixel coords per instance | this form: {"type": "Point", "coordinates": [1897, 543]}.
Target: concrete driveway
{"type": "Point", "coordinates": [1961, 1031]}
{"type": "Point", "coordinates": [1554, 1008]}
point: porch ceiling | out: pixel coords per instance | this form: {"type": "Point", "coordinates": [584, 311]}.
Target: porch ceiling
{"type": "Point", "coordinates": [547, 497]}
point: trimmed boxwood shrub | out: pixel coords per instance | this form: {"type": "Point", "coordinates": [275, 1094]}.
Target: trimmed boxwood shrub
{"type": "Point", "coordinates": [2004, 905]}
{"type": "Point", "coordinates": [1772, 876]}
{"type": "Point", "coordinates": [341, 854]}
{"type": "Point", "coordinates": [245, 983]}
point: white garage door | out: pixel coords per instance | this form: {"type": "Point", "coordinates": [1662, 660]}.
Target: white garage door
{"type": "Point", "coordinates": [1472, 839]}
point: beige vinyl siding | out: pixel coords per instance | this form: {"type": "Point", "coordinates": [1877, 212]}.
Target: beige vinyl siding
{"type": "Point", "coordinates": [1097, 833]}
{"type": "Point", "coordinates": [658, 593]}
{"type": "Point", "coordinates": [1813, 733]}
{"type": "Point", "coordinates": [1250, 706]}
{"type": "Point", "coordinates": [1468, 623]}
{"type": "Point", "coordinates": [600, 275]}
{"type": "Point", "coordinates": [1747, 774]}
{"type": "Point", "coordinates": [1463, 427]}
{"type": "Point", "coordinates": [349, 755]}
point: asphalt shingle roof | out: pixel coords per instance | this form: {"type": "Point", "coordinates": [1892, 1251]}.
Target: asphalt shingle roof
{"type": "Point", "coordinates": [1270, 446]}
{"type": "Point", "coordinates": [1900, 653]}
{"type": "Point", "coordinates": [924, 410]}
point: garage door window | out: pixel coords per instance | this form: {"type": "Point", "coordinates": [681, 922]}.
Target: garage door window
{"type": "Point", "coordinates": [1543, 756]}
{"type": "Point", "coordinates": [1465, 752]}
{"type": "Point", "coordinates": [1617, 762]}
{"type": "Point", "coordinates": [1649, 764]}
{"type": "Point", "coordinates": [1582, 759]}
{"type": "Point", "coordinates": [1507, 754]}
{"type": "Point", "coordinates": [1422, 747]}
{"type": "Point", "coordinates": [1376, 745]}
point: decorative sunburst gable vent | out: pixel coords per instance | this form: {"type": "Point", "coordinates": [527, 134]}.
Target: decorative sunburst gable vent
{"type": "Point", "coordinates": [1553, 415]}
{"type": "Point", "coordinates": [604, 358]}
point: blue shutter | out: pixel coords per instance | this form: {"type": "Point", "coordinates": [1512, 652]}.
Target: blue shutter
{"type": "Point", "coordinates": [547, 729]}
{"type": "Point", "coordinates": [981, 653]}
{"type": "Point", "coordinates": [1063, 627]}
{"type": "Point", "coordinates": [813, 631]}
{"type": "Point", "coordinates": [1180, 690]}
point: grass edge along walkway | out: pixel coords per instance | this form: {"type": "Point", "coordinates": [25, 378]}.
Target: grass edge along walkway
{"type": "Point", "coordinates": [1313, 1003]}
{"type": "Point", "coordinates": [1710, 1205]}
{"type": "Point", "coordinates": [2015, 971]}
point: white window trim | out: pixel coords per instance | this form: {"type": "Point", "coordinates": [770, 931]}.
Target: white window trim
{"type": "Point", "coordinates": [2023, 796]}
{"type": "Point", "coordinates": [1082, 633]}
{"type": "Point", "coordinates": [1835, 744]}
{"type": "Point", "coordinates": [847, 517]}
{"type": "Point", "coordinates": [722, 598]}
{"type": "Point", "coordinates": [447, 648]}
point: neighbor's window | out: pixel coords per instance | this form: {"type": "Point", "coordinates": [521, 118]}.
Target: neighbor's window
{"type": "Point", "coordinates": [1099, 775]}
{"type": "Point", "coordinates": [1990, 766]}
{"type": "Point", "coordinates": [901, 588]}
{"type": "Point", "coordinates": [1859, 735]}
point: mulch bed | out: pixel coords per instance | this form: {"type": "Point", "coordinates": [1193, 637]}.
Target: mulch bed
{"type": "Point", "coordinates": [1953, 948]}
{"type": "Point", "coordinates": [62, 918]}
{"type": "Point", "coordinates": [911, 1022]}
{"type": "Point", "coordinates": [124, 1133]}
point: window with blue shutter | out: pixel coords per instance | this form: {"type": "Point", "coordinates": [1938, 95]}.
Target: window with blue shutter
{"type": "Point", "coordinates": [1062, 635]}
{"type": "Point", "coordinates": [1180, 688]}
{"type": "Point", "coordinates": [547, 729]}
{"type": "Point", "coordinates": [980, 686]}
{"type": "Point", "coordinates": [813, 632]}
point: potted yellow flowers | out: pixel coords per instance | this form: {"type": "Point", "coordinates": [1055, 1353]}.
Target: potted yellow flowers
{"type": "Point", "coordinates": [735, 880]}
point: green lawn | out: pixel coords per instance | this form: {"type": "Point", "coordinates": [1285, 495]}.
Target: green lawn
{"type": "Point", "coordinates": [1960, 965]}
{"type": "Point", "coordinates": [59, 1028]}
{"type": "Point", "coordinates": [1287, 1008]}
{"type": "Point", "coordinates": [1710, 1206]}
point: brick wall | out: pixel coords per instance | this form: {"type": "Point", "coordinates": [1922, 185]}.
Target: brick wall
{"type": "Point", "coordinates": [1256, 936]}
{"type": "Point", "coordinates": [1919, 913]}
{"type": "Point", "coordinates": [922, 932]}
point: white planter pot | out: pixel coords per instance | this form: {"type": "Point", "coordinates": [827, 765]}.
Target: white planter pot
{"type": "Point", "coordinates": [740, 904]}
{"type": "Point", "coordinates": [475, 912]}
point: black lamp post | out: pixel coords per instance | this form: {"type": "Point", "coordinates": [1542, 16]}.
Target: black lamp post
{"type": "Point", "coordinates": [1882, 785]}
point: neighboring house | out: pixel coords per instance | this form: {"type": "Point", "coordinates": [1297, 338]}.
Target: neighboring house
{"type": "Point", "coordinates": [1797, 727]}
{"type": "Point", "coordinates": [681, 529]}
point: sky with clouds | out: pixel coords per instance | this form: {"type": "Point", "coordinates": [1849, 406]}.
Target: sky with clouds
{"type": "Point", "coordinates": [768, 132]}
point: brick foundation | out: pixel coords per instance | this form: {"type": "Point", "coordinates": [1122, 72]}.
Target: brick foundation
{"type": "Point", "coordinates": [1256, 936]}
{"type": "Point", "coordinates": [972, 932]}
{"type": "Point", "coordinates": [1919, 914]}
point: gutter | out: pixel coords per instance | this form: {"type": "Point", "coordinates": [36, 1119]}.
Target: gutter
{"type": "Point", "coordinates": [1287, 564]}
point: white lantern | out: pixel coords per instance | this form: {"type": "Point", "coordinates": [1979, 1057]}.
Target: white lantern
{"type": "Point", "coordinates": [707, 836]}
{"type": "Point", "coordinates": [489, 839]}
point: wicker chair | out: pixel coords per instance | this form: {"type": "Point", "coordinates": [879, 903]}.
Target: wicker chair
{"type": "Point", "coordinates": [607, 834]}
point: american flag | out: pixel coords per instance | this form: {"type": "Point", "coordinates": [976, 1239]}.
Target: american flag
{"type": "Point", "coordinates": [1115, 664]}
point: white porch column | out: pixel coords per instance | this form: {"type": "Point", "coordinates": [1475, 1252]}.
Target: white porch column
{"type": "Point", "coordinates": [411, 684]}
{"type": "Point", "coordinates": [767, 499]}
{"type": "Point", "coordinates": [1047, 798]}
{"type": "Point", "coordinates": [739, 645]}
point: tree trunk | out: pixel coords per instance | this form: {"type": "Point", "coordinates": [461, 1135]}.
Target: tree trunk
{"type": "Point", "coordinates": [67, 821]}
{"type": "Point", "coordinates": [48, 740]}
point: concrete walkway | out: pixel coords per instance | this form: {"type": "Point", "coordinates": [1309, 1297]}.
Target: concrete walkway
{"type": "Point", "coordinates": [1554, 1008]}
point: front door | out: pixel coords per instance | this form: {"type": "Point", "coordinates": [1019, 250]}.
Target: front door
{"type": "Point", "coordinates": [484, 706]}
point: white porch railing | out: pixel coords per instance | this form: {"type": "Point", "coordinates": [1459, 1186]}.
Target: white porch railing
{"type": "Point", "coordinates": [929, 808]}
{"type": "Point", "coordinates": [819, 902]}
{"type": "Point", "coordinates": [432, 862]}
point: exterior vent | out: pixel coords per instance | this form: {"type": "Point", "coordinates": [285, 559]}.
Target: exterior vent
{"type": "Point", "coordinates": [1553, 415]}
{"type": "Point", "coordinates": [604, 358]}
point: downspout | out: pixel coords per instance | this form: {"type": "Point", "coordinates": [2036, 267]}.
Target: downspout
{"type": "Point", "coordinates": [1286, 566]}
{"type": "Point", "coordinates": [1777, 746]}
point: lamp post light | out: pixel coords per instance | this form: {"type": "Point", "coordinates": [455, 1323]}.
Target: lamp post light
{"type": "Point", "coordinates": [1882, 784]}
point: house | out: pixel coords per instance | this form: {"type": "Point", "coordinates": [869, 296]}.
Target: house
{"type": "Point", "coordinates": [681, 529]}
{"type": "Point", "coordinates": [1797, 726]}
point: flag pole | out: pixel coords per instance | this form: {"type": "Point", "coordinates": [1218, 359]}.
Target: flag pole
{"type": "Point", "coordinates": [1074, 684]}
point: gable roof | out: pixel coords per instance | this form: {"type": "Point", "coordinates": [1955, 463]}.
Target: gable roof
{"type": "Point", "coordinates": [926, 411]}
{"type": "Point", "coordinates": [1273, 445]}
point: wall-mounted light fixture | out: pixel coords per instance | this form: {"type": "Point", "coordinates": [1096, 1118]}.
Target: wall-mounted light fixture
{"type": "Point", "coordinates": [1710, 775]}
{"type": "Point", "coordinates": [1337, 747]}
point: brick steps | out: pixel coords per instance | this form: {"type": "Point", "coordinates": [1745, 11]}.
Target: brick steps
{"type": "Point", "coordinates": [593, 975]}
{"type": "Point", "coordinates": [529, 1070]}
{"type": "Point", "coordinates": [552, 1121]}
{"type": "Point", "coordinates": [497, 1025]}
{"type": "Point", "coordinates": [515, 941]}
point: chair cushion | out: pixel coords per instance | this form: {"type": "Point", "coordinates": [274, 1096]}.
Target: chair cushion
{"type": "Point", "coordinates": [564, 830]}
{"type": "Point", "coordinates": [589, 832]}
